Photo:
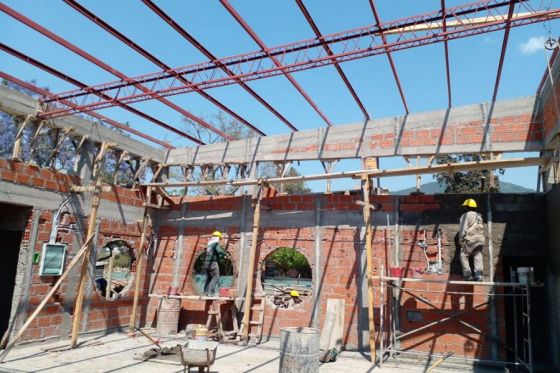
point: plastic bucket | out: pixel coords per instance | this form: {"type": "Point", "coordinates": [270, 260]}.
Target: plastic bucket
{"type": "Point", "coordinates": [200, 333]}
{"type": "Point", "coordinates": [396, 271]}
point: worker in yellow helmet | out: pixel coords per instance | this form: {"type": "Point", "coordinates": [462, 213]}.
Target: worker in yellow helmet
{"type": "Point", "coordinates": [214, 252]}
{"type": "Point", "coordinates": [471, 237]}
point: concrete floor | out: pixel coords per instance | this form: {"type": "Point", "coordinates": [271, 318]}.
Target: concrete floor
{"type": "Point", "coordinates": [115, 353]}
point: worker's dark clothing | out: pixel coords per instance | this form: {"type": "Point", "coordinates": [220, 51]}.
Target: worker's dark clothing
{"type": "Point", "coordinates": [213, 253]}
{"type": "Point", "coordinates": [471, 236]}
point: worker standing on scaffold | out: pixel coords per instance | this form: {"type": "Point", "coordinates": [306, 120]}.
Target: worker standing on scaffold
{"type": "Point", "coordinates": [214, 252]}
{"type": "Point", "coordinates": [471, 237]}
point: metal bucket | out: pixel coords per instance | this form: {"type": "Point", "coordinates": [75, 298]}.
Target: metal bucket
{"type": "Point", "coordinates": [299, 350]}
{"type": "Point", "coordinates": [168, 316]}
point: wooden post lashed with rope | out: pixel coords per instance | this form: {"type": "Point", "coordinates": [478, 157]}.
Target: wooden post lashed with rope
{"type": "Point", "coordinates": [97, 165]}
{"type": "Point", "coordinates": [140, 265]}
{"type": "Point", "coordinates": [251, 269]}
{"type": "Point", "coordinates": [366, 187]}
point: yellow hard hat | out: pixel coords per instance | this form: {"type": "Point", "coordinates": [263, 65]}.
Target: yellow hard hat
{"type": "Point", "coordinates": [217, 234]}
{"type": "Point", "coordinates": [470, 203]}
{"type": "Point", "coordinates": [294, 293]}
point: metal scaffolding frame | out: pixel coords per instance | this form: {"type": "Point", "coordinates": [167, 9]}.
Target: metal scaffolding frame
{"type": "Point", "coordinates": [390, 334]}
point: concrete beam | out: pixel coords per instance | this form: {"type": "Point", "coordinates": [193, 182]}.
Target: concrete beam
{"type": "Point", "coordinates": [512, 128]}
{"type": "Point", "coordinates": [17, 103]}
{"type": "Point", "coordinates": [47, 200]}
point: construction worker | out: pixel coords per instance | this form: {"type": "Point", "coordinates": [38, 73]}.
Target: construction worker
{"type": "Point", "coordinates": [214, 252]}
{"type": "Point", "coordinates": [471, 237]}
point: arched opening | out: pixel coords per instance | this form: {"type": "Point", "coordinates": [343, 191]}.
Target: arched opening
{"type": "Point", "coordinates": [113, 269]}
{"type": "Point", "coordinates": [199, 274]}
{"type": "Point", "coordinates": [286, 277]}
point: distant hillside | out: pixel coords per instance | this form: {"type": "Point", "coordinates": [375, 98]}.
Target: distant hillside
{"type": "Point", "coordinates": [434, 188]}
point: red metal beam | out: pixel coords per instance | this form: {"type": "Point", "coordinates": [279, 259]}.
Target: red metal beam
{"type": "Point", "coordinates": [110, 29]}
{"type": "Point", "coordinates": [349, 45]}
{"type": "Point", "coordinates": [504, 47]}
{"type": "Point", "coordinates": [264, 48]}
{"type": "Point", "coordinates": [389, 56]}
{"type": "Point", "coordinates": [110, 121]}
{"type": "Point", "coordinates": [315, 29]}
{"type": "Point", "coordinates": [80, 84]}
{"type": "Point", "coordinates": [35, 26]}
{"type": "Point", "coordinates": [446, 52]}
{"type": "Point", "coordinates": [215, 60]}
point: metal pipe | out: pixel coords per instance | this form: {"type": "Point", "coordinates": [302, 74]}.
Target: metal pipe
{"type": "Point", "coordinates": [483, 361]}
{"type": "Point", "coordinates": [445, 319]}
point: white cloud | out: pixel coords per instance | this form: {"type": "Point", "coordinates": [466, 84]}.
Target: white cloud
{"type": "Point", "coordinates": [533, 45]}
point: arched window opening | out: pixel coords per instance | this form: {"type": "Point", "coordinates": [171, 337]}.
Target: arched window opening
{"type": "Point", "coordinates": [199, 274]}
{"type": "Point", "coordinates": [286, 277]}
{"type": "Point", "coordinates": [113, 269]}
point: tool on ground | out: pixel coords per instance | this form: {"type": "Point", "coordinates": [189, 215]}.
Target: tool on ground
{"type": "Point", "coordinates": [439, 361]}
{"type": "Point", "coordinates": [154, 341]}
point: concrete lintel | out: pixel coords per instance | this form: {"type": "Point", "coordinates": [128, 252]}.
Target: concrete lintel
{"type": "Point", "coordinates": [435, 132]}
{"type": "Point", "coordinates": [47, 200]}
{"type": "Point", "coordinates": [17, 103]}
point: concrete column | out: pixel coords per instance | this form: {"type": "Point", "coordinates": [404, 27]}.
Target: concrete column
{"type": "Point", "coordinates": [317, 283]}
{"type": "Point", "coordinates": [178, 255]}
{"type": "Point", "coordinates": [244, 246]}
{"type": "Point", "coordinates": [84, 165]}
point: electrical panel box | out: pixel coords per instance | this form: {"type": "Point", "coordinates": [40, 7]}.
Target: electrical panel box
{"type": "Point", "coordinates": [52, 259]}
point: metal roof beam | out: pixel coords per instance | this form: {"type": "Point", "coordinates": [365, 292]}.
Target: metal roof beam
{"type": "Point", "coordinates": [504, 47]}
{"type": "Point", "coordinates": [110, 29]}
{"type": "Point", "coordinates": [215, 60]}
{"type": "Point", "coordinates": [131, 149]}
{"type": "Point", "coordinates": [319, 35]}
{"type": "Point", "coordinates": [80, 84]}
{"type": "Point", "coordinates": [348, 45]}
{"type": "Point", "coordinates": [389, 56]}
{"type": "Point", "coordinates": [446, 53]}
{"type": "Point", "coordinates": [278, 64]}
{"type": "Point", "coordinates": [35, 26]}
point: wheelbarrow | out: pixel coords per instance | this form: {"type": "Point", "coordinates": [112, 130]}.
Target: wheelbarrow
{"type": "Point", "coordinates": [201, 354]}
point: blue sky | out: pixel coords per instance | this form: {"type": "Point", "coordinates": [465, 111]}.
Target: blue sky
{"type": "Point", "coordinates": [422, 70]}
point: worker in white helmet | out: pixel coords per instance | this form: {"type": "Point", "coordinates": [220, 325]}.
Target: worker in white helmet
{"type": "Point", "coordinates": [214, 252]}
{"type": "Point", "coordinates": [471, 237]}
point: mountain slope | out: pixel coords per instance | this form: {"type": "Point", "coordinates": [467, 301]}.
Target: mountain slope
{"type": "Point", "coordinates": [434, 188]}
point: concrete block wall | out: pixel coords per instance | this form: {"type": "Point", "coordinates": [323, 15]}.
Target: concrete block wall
{"type": "Point", "coordinates": [51, 188]}
{"type": "Point", "coordinates": [329, 231]}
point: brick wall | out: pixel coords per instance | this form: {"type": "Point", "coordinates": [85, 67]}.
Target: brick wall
{"type": "Point", "coordinates": [100, 313]}
{"type": "Point", "coordinates": [341, 260]}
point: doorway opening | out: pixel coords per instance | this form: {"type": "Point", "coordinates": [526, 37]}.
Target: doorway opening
{"type": "Point", "coordinates": [13, 220]}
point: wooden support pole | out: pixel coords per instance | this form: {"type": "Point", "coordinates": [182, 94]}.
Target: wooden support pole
{"type": "Point", "coordinates": [430, 169]}
{"type": "Point", "coordinates": [16, 152]}
{"type": "Point", "coordinates": [109, 276]}
{"type": "Point", "coordinates": [366, 187]}
{"type": "Point", "coordinates": [251, 268]}
{"type": "Point", "coordinates": [83, 250]}
{"type": "Point", "coordinates": [59, 141]}
{"type": "Point", "coordinates": [97, 165]}
{"type": "Point", "coordinates": [140, 265]}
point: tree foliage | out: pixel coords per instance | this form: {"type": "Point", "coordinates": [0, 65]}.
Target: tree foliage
{"type": "Point", "coordinates": [478, 181]}
{"type": "Point", "coordinates": [286, 258]}
{"type": "Point", "coordinates": [238, 131]}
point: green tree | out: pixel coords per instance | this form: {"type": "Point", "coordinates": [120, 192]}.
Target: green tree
{"type": "Point", "coordinates": [478, 181]}
{"type": "Point", "coordinates": [287, 258]}
{"type": "Point", "coordinates": [295, 188]}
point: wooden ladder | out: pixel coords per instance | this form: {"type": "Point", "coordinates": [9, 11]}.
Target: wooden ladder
{"type": "Point", "coordinates": [258, 311]}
